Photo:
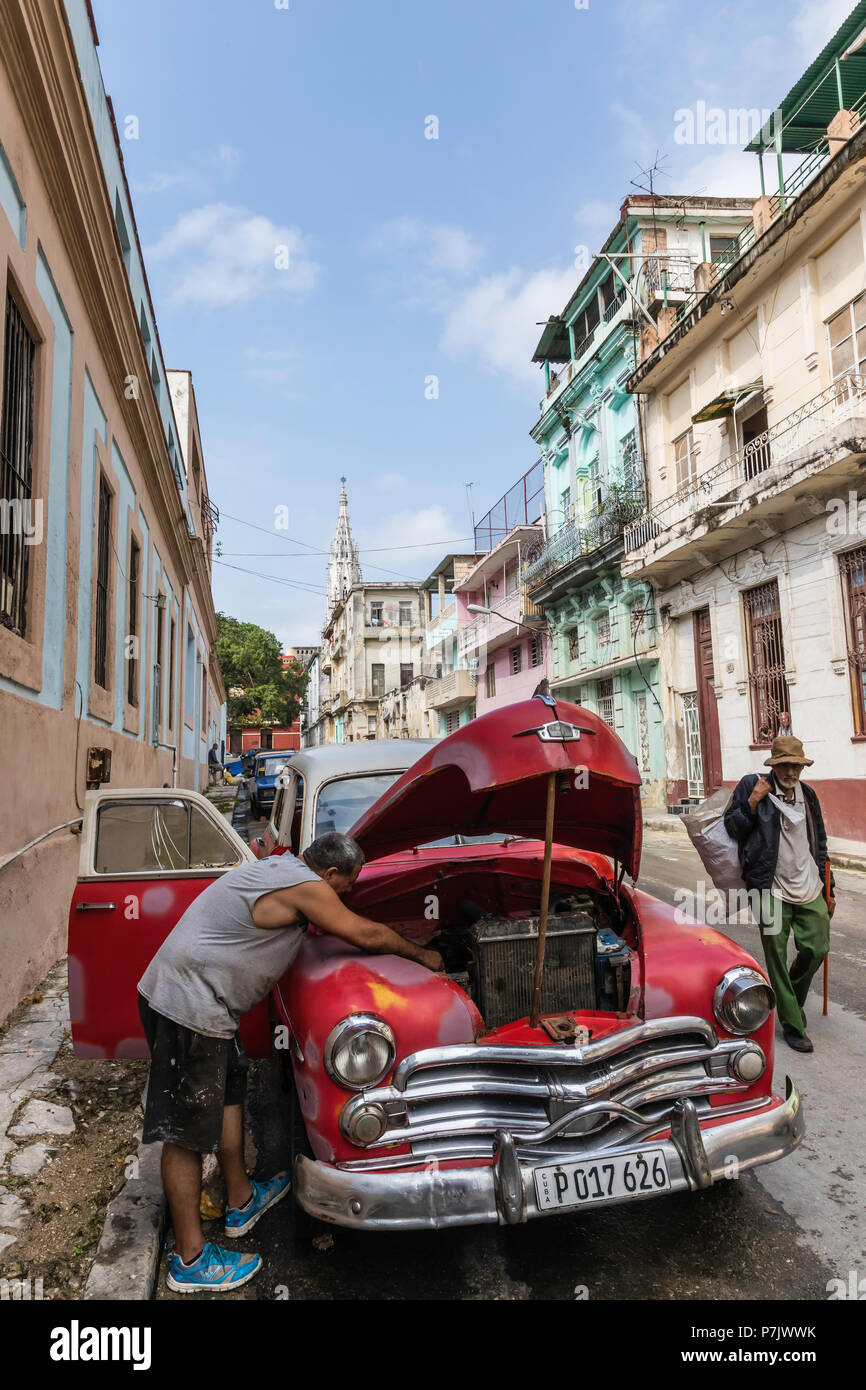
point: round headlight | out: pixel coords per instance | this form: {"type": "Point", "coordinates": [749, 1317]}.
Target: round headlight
{"type": "Point", "coordinates": [743, 1000]}
{"type": "Point", "coordinates": [359, 1051]}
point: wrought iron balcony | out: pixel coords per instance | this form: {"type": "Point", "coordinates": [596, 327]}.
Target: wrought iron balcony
{"type": "Point", "coordinates": [583, 536]}
{"type": "Point", "coordinates": [718, 485]}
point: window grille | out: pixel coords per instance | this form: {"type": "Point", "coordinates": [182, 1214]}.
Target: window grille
{"type": "Point", "coordinates": [574, 645]}
{"type": "Point", "coordinates": [16, 442]}
{"type": "Point", "coordinates": [535, 651]}
{"type": "Point", "coordinates": [852, 567]}
{"type": "Point", "coordinates": [766, 653]}
{"type": "Point", "coordinates": [602, 630]}
{"type": "Point", "coordinates": [377, 684]}
{"type": "Point", "coordinates": [604, 696]}
{"type": "Point", "coordinates": [490, 681]}
{"type": "Point", "coordinates": [516, 662]}
{"type": "Point", "coordinates": [132, 625]}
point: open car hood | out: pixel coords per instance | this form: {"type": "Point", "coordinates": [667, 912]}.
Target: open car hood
{"type": "Point", "coordinates": [491, 775]}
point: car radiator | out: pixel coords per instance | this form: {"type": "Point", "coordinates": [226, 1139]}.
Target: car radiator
{"type": "Point", "coordinates": [504, 953]}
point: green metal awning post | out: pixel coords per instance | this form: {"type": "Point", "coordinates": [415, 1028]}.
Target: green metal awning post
{"type": "Point", "coordinates": [571, 340]}
{"type": "Point", "coordinates": [703, 241]}
{"type": "Point", "coordinates": [761, 168]}
{"type": "Point", "coordinates": [778, 143]}
{"type": "Point", "coordinates": [547, 374]}
{"type": "Point", "coordinates": [839, 93]}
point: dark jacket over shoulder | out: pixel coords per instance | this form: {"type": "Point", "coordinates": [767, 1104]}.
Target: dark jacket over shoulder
{"type": "Point", "coordinates": [757, 832]}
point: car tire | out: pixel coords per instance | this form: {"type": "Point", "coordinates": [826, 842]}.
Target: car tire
{"type": "Point", "coordinates": [306, 1227]}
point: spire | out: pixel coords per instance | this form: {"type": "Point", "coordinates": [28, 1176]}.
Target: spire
{"type": "Point", "coordinates": [344, 566]}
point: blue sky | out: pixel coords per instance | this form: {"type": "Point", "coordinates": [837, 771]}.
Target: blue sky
{"type": "Point", "coordinates": [304, 127]}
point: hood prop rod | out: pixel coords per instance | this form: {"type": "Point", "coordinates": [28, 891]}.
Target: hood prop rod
{"type": "Point", "coordinates": [545, 897]}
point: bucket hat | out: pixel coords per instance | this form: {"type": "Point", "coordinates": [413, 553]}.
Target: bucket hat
{"type": "Point", "coordinates": [787, 749]}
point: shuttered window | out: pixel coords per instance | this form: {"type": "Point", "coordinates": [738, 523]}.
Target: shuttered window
{"type": "Point", "coordinates": [767, 685]}
{"type": "Point", "coordinates": [516, 661]}
{"type": "Point", "coordinates": [16, 443]}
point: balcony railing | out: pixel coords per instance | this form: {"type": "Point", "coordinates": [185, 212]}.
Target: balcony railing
{"type": "Point", "coordinates": [454, 689]}
{"type": "Point", "coordinates": [672, 272]}
{"type": "Point", "coordinates": [788, 436]}
{"type": "Point", "coordinates": [614, 306]}
{"type": "Point", "coordinates": [582, 537]}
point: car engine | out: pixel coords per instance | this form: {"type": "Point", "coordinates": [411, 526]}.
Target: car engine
{"type": "Point", "coordinates": [587, 964]}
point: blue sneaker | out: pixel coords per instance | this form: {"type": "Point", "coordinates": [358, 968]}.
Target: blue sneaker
{"type": "Point", "coordinates": [215, 1269]}
{"type": "Point", "coordinates": [239, 1220]}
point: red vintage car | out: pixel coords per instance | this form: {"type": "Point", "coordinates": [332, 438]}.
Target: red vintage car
{"type": "Point", "coordinates": [436, 1100]}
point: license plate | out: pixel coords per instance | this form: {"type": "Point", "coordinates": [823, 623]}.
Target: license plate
{"type": "Point", "coordinates": [624, 1175]}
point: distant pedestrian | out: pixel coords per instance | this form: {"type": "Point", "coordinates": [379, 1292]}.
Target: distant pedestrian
{"type": "Point", "coordinates": [779, 828]}
{"type": "Point", "coordinates": [214, 766]}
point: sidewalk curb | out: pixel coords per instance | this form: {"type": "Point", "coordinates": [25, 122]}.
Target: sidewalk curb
{"type": "Point", "coordinates": [669, 825]}
{"type": "Point", "coordinates": [128, 1254]}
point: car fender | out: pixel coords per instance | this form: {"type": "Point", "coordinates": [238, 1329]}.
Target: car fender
{"type": "Point", "coordinates": [331, 980]}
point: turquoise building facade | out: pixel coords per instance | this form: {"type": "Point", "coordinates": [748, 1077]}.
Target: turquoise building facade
{"type": "Point", "coordinates": [604, 652]}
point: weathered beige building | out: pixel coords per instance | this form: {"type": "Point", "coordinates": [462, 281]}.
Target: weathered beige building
{"type": "Point", "coordinates": [372, 645]}
{"type": "Point", "coordinates": [753, 402]}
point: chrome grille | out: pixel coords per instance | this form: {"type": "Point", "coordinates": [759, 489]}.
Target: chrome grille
{"type": "Point", "coordinates": [555, 1101]}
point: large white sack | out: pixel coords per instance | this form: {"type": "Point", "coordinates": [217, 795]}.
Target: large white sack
{"type": "Point", "coordinates": [717, 849]}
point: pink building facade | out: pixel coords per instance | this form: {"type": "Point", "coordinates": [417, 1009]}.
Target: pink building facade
{"type": "Point", "coordinates": [501, 637]}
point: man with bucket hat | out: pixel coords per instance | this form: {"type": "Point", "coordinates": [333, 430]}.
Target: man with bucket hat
{"type": "Point", "coordinates": [779, 829]}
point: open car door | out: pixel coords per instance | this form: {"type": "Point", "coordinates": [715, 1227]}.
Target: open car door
{"type": "Point", "coordinates": [145, 854]}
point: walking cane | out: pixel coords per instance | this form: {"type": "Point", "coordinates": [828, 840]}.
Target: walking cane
{"type": "Point", "coordinates": [827, 957]}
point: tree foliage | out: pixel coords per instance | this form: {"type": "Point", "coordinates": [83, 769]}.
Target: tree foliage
{"type": "Point", "coordinates": [260, 690]}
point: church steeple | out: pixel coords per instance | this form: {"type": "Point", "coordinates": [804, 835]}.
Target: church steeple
{"type": "Point", "coordinates": [344, 566]}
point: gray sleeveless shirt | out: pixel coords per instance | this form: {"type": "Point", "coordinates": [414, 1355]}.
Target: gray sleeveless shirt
{"type": "Point", "coordinates": [216, 963]}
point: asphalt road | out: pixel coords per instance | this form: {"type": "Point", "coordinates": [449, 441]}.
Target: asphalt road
{"type": "Point", "coordinates": [781, 1233]}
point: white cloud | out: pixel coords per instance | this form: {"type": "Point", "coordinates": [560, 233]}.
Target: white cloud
{"type": "Point", "coordinates": [597, 216]}
{"type": "Point", "coordinates": [271, 364]}
{"type": "Point", "coordinates": [197, 173]}
{"type": "Point", "coordinates": [389, 482]}
{"type": "Point", "coordinates": [433, 246]}
{"type": "Point", "coordinates": [497, 320]}
{"type": "Point", "coordinates": [221, 254]}
{"type": "Point", "coordinates": [423, 528]}
{"type": "Point", "coordinates": [814, 25]}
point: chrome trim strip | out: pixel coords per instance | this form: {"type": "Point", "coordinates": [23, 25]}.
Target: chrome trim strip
{"type": "Point", "coordinates": [581, 1054]}
{"type": "Point", "coordinates": [470, 1147]}
{"type": "Point", "coordinates": [435, 1197]}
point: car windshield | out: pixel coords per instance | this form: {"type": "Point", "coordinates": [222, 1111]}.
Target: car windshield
{"type": "Point", "coordinates": [342, 802]}
{"type": "Point", "coordinates": [268, 767]}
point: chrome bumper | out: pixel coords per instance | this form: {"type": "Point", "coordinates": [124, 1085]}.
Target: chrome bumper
{"type": "Point", "coordinates": [504, 1192]}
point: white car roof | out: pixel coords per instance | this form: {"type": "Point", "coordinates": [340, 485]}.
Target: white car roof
{"type": "Point", "coordinates": [367, 755]}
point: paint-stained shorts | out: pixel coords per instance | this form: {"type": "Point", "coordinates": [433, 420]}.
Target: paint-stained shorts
{"type": "Point", "coordinates": [192, 1079]}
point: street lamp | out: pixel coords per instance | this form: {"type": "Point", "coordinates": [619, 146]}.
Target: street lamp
{"type": "Point", "coordinates": [480, 608]}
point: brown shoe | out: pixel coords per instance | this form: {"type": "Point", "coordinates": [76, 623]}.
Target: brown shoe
{"type": "Point", "coordinates": [800, 1042]}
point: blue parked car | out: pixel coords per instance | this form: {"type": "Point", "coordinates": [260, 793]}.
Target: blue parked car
{"type": "Point", "coordinates": [263, 782]}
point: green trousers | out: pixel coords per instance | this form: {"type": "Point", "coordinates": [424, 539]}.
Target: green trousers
{"type": "Point", "coordinates": [811, 926]}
